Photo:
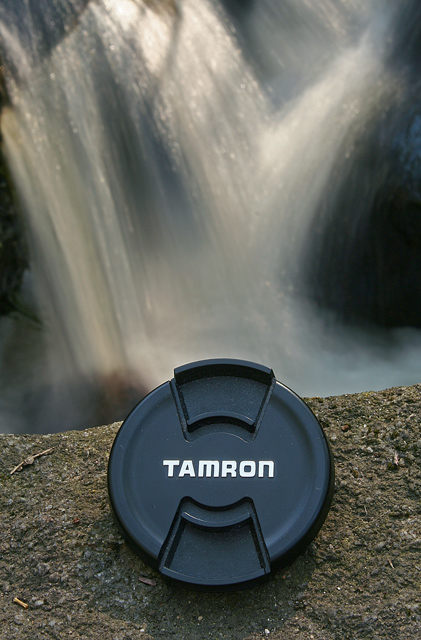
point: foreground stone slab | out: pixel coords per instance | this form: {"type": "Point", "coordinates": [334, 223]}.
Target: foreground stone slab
{"type": "Point", "coordinates": [62, 556]}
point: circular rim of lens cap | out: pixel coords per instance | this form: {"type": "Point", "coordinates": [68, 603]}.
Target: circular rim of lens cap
{"type": "Point", "coordinates": [220, 476]}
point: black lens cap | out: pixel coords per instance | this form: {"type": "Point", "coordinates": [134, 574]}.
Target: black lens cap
{"type": "Point", "coordinates": [220, 476]}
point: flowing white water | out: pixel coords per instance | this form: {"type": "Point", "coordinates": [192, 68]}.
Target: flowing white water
{"type": "Point", "coordinates": [169, 183]}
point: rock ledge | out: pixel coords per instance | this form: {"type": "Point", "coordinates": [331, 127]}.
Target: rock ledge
{"type": "Point", "coordinates": [61, 553]}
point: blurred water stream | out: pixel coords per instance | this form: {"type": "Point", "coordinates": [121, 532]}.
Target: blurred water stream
{"type": "Point", "coordinates": [170, 157]}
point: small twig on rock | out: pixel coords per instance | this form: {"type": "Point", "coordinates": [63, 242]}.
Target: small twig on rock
{"type": "Point", "coordinates": [30, 460]}
{"type": "Point", "coordinates": [22, 604]}
{"type": "Point", "coordinates": [148, 581]}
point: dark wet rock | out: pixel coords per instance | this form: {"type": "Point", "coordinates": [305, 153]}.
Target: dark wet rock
{"type": "Point", "coordinates": [363, 255]}
{"type": "Point", "coordinates": [39, 24]}
{"type": "Point", "coordinates": [362, 259]}
{"type": "Point", "coordinates": [74, 403]}
{"type": "Point", "coordinates": [13, 247]}
{"type": "Point", "coordinates": [62, 555]}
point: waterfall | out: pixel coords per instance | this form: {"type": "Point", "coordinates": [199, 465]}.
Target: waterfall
{"type": "Point", "coordinates": [169, 157]}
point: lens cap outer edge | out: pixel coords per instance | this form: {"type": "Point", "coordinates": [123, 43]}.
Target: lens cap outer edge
{"type": "Point", "coordinates": [221, 476]}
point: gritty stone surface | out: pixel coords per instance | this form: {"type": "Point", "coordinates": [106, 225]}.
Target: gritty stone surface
{"type": "Point", "coordinates": [61, 553]}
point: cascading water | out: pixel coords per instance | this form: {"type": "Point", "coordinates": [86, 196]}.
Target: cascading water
{"type": "Point", "coordinates": [169, 157]}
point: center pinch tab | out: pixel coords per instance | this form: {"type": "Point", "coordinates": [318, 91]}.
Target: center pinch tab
{"type": "Point", "coordinates": [207, 547]}
{"type": "Point", "coordinates": [236, 394]}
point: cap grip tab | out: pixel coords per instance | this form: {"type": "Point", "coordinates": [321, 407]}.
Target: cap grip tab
{"type": "Point", "coordinates": [239, 552]}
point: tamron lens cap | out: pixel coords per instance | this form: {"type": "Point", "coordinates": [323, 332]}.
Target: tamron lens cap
{"type": "Point", "coordinates": [221, 476]}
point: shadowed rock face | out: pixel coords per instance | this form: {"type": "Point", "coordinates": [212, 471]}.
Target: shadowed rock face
{"type": "Point", "coordinates": [90, 400]}
{"type": "Point", "coordinates": [363, 255]}
{"type": "Point", "coordinates": [62, 555]}
{"type": "Point", "coordinates": [13, 249]}
{"type": "Point", "coordinates": [405, 52]}
{"type": "Point", "coordinates": [41, 24]}
{"type": "Point", "coordinates": [364, 246]}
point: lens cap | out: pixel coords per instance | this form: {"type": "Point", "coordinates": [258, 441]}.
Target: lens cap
{"type": "Point", "coordinates": [221, 476]}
